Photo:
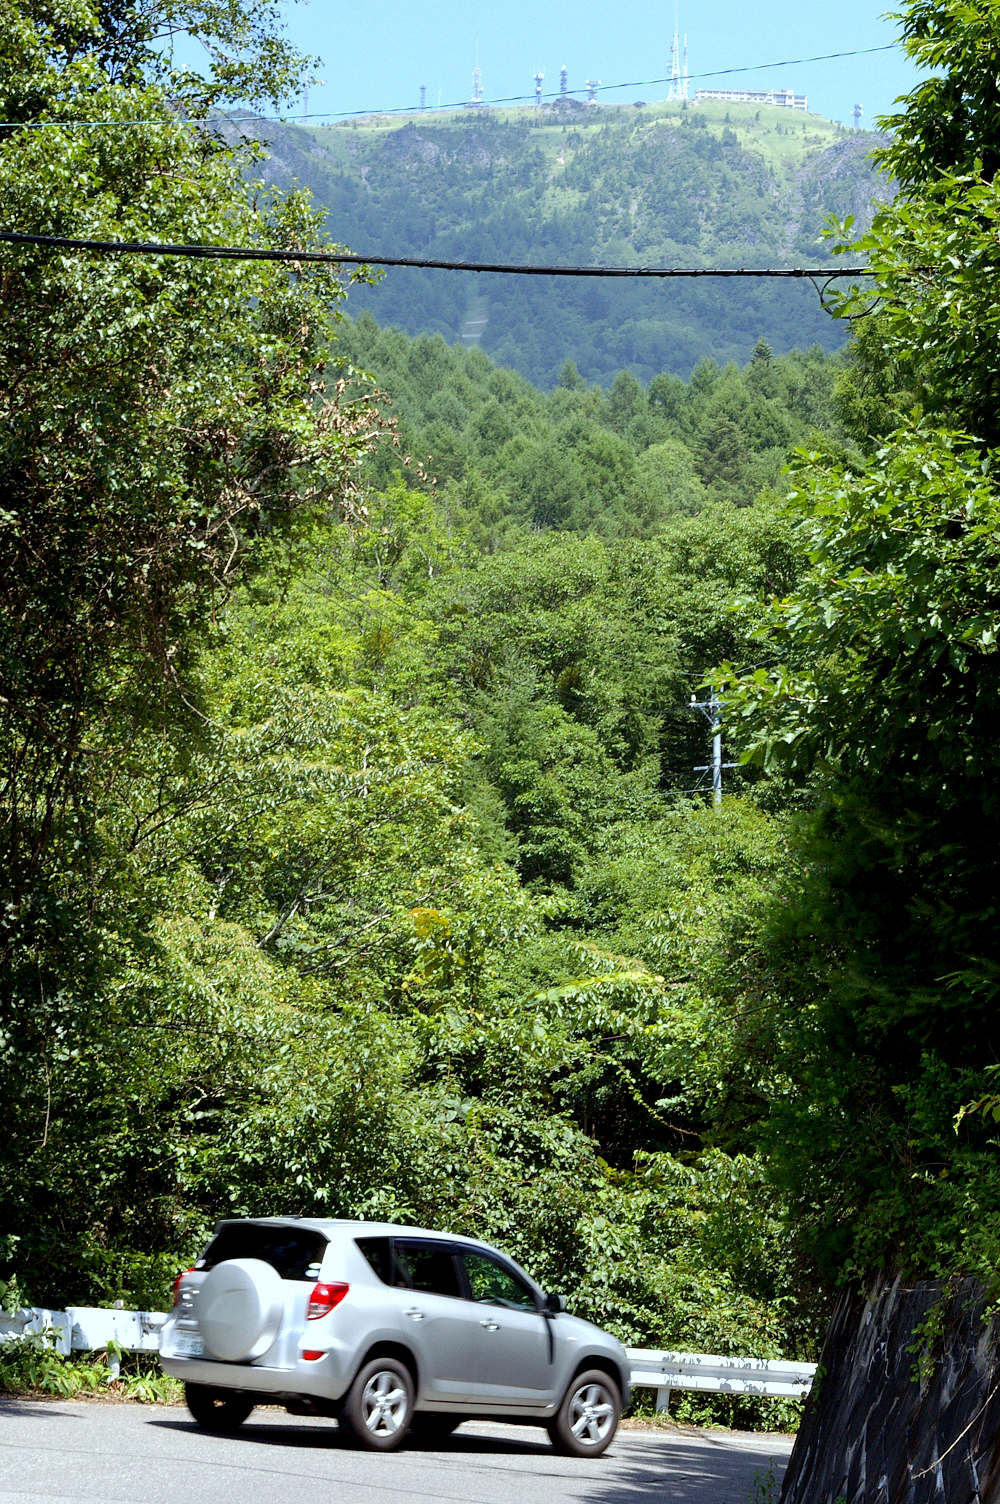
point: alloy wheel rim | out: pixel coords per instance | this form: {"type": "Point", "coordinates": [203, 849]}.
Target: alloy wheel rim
{"type": "Point", "coordinates": [384, 1403]}
{"type": "Point", "coordinates": [591, 1414]}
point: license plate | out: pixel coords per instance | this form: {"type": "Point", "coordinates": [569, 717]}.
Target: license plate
{"type": "Point", "coordinates": [188, 1344]}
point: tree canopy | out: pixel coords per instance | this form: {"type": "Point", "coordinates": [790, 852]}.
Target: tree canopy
{"type": "Point", "coordinates": [878, 692]}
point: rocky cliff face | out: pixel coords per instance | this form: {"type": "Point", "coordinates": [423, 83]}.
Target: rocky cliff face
{"type": "Point", "coordinates": [906, 1407]}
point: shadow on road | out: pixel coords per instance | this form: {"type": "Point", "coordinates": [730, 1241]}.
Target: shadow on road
{"type": "Point", "coordinates": [639, 1468]}
{"type": "Point", "coordinates": [305, 1434]}
{"type": "Point", "coordinates": [690, 1472]}
{"type": "Point", "coordinates": [38, 1408]}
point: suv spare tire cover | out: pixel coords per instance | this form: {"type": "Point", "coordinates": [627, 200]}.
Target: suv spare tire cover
{"type": "Point", "coordinates": [239, 1309]}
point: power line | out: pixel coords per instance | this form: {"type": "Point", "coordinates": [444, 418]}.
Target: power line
{"type": "Point", "coordinates": [255, 253]}
{"type": "Point", "coordinates": [641, 83]}
{"type": "Point", "coordinates": [459, 104]}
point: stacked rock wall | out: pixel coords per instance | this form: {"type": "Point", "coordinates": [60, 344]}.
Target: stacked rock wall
{"type": "Point", "coordinates": [906, 1405]}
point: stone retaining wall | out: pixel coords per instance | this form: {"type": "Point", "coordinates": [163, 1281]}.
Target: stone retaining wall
{"type": "Point", "coordinates": [906, 1405]}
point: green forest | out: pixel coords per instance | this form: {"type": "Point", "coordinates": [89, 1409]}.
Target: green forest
{"type": "Point", "coordinates": [667, 184]}
{"type": "Point", "coordinates": [355, 860]}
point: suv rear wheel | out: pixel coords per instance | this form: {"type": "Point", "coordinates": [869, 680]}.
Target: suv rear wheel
{"type": "Point", "coordinates": [378, 1408]}
{"type": "Point", "coordinates": [588, 1417]}
{"type": "Point", "coordinates": [216, 1409]}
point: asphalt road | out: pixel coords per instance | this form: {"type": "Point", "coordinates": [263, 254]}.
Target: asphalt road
{"type": "Point", "coordinates": [79, 1453]}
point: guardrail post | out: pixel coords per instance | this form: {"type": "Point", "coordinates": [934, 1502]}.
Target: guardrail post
{"type": "Point", "coordinates": [663, 1399]}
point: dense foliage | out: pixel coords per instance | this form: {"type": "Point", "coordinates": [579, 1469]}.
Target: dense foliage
{"type": "Point", "coordinates": [506, 458]}
{"type": "Point", "coordinates": [143, 457]}
{"type": "Point", "coordinates": [345, 869]}
{"type": "Point", "coordinates": [352, 860]}
{"type": "Point", "coordinates": [880, 688]}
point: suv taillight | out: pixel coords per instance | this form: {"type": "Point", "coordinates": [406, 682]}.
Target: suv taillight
{"type": "Point", "coordinates": [177, 1283]}
{"type": "Point", "coordinates": [324, 1298]}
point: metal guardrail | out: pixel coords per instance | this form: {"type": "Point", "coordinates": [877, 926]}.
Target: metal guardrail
{"type": "Point", "coordinates": [96, 1328]}
{"type": "Point", "coordinates": [712, 1373]}
{"type": "Point", "coordinates": [88, 1329]}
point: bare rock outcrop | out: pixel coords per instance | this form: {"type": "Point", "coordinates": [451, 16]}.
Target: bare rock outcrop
{"type": "Point", "coordinates": [906, 1407]}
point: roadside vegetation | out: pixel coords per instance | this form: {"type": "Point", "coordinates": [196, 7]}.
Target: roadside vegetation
{"type": "Point", "coordinates": [31, 1367]}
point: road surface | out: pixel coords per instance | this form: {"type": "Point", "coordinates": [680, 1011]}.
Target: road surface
{"type": "Point", "coordinates": [81, 1452]}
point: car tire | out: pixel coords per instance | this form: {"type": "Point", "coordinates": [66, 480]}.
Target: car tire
{"type": "Point", "coordinates": [588, 1417]}
{"type": "Point", "coordinates": [240, 1305]}
{"type": "Point", "coordinates": [216, 1409]}
{"type": "Point", "coordinates": [378, 1407]}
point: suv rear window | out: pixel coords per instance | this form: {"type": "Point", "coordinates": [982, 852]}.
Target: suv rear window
{"type": "Point", "coordinates": [295, 1252]}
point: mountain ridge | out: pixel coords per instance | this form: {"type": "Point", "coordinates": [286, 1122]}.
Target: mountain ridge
{"type": "Point", "coordinates": [712, 185]}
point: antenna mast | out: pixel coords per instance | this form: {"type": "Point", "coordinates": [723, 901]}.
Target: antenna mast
{"type": "Point", "coordinates": [675, 60]}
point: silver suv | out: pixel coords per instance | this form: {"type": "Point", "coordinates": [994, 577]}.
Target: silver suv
{"type": "Point", "coordinates": [393, 1330]}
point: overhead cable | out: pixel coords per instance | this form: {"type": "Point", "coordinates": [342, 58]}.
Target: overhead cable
{"type": "Point", "coordinates": [461, 104]}
{"type": "Point", "coordinates": [348, 258]}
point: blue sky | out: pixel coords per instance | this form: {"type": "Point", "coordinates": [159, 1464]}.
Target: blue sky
{"type": "Point", "coordinates": [377, 57]}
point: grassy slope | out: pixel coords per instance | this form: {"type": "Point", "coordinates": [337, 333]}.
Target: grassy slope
{"type": "Point", "coordinates": [783, 138]}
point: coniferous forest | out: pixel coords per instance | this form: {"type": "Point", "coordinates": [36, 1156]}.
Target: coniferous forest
{"type": "Point", "coordinates": [355, 858]}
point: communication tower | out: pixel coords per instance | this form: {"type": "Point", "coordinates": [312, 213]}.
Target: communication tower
{"type": "Point", "coordinates": [858, 112]}
{"type": "Point", "coordinates": [477, 88]}
{"type": "Point", "coordinates": [305, 95]}
{"type": "Point", "coordinates": [593, 84]}
{"type": "Point", "coordinates": [423, 96]}
{"type": "Point", "coordinates": [563, 83]}
{"type": "Point", "coordinates": [679, 75]}
{"type": "Point", "coordinates": [538, 88]}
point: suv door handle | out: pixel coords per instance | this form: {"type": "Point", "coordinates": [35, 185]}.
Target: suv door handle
{"type": "Point", "coordinates": [490, 1324]}
{"type": "Point", "coordinates": [414, 1313]}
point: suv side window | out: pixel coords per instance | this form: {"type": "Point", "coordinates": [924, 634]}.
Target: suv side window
{"type": "Point", "coordinates": [383, 1261]}
{"type": "Point", "coordinates": [494, 1284]}
{"type": "Point", "coordinates": [429, 1267]}
{"type": "Point", "coordinates": [294, 1252]}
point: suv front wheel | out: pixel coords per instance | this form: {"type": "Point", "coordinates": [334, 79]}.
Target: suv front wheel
{"type": "Point", "coordinates": [588, 1417]}
{"type": "Point", "coordinates": [216, 1409]}
{"type": "Point", "coordinates": [378, 1408]}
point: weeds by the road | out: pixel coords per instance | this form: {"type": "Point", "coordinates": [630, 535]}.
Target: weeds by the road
{"type": "Point", "coordinates": [731, 1412]}
{"type": "Point", "coordinates": [32, 1366]}
{"type": "Point", "coordinates": [765, 1488]}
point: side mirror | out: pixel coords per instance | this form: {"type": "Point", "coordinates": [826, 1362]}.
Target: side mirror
{"type": "Point", "coordinates": [553, 1305]}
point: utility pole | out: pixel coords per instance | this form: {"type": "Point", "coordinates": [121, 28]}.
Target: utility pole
{"type": "Point", "coordinates": [711, 709]}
